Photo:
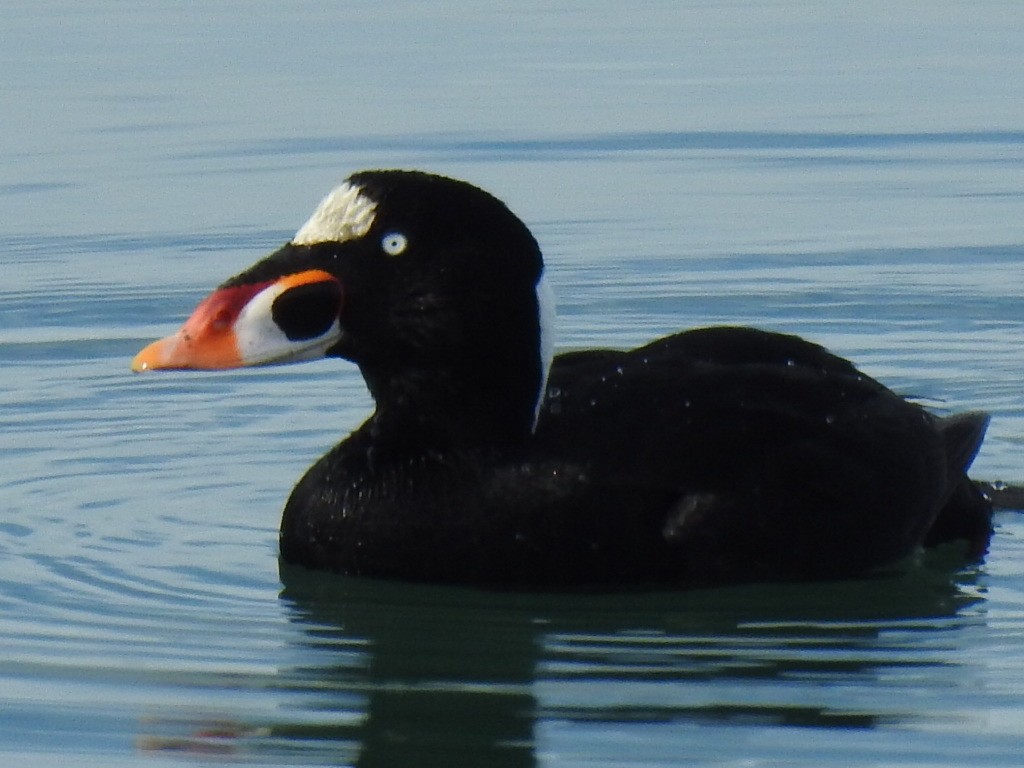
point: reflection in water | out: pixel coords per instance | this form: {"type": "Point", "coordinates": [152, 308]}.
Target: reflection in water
{"type": "Point", "coordinates": [398, 675]}
{"type": "Point", "coordinates": [446, 676]}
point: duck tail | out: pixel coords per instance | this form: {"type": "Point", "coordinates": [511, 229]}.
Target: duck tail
{"type": "Point", "coordinates": [966, 514]}
{"type": "Point", "coordinates": [963, 434]}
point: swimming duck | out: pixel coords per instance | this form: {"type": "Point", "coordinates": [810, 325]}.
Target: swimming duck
{"type": "Point", "coordinates": [710, 456]}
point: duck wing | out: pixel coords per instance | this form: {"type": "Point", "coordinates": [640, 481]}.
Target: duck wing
{"type": "Point", "coordinates": [775, 459]}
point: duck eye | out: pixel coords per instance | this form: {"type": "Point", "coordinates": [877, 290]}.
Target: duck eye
{"type": "Point", "coordinates": [394, 243]}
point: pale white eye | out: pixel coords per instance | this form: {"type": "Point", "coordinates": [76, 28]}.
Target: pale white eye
{"type": "Point", "coordinates": [394, 243]}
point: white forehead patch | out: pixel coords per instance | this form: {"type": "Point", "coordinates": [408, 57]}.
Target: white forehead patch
{"type": "Point", "coordinates": [345, 214]}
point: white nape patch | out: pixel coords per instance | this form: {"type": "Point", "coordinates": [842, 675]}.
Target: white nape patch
{"type": "Point", "coordinates": [345, 214]}
{"type": "Point", "coordinates": [546, 312]}
{"type": "Point", "coordinates": [261, 342]}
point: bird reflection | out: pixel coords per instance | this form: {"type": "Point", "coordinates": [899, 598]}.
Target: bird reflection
{"type": "Point", "coordinates": [392, 674]}
{"type": "Point", "coordinates": [459, 677]}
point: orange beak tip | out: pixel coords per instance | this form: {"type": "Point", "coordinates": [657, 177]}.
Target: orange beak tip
{"type": "Point", "coordinates": [144, 360]}
{"type": "Point", "coordinates": [158, 355]}
{"type": "Point", "coordinates": [178, 352]}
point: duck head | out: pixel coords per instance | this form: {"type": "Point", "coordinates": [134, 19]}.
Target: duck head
{"type": "Point", "coordinates": [430, 285]}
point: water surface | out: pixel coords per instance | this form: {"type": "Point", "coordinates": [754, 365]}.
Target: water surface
{"type": "Point", "coordinates": [851, 175]}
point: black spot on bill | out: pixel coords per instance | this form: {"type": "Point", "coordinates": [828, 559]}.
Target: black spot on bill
{"type": "Point", "coordinates": [307, 311]}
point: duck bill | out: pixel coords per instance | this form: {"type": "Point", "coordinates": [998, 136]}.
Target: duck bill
{"type": "Point", "coordinates": [290, 319]}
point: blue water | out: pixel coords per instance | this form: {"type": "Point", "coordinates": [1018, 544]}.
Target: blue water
{"type": "Point", "coordinates": [854, 174]}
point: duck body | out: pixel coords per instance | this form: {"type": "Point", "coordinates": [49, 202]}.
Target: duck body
{"type": "Point", "coordinates": [711, 456]}
{"type": "Point", "coordinates": [714, 456]}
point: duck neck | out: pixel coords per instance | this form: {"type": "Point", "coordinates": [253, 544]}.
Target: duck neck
{"type": "Point", "coordinates": [486, 393]}
{"type": "Point", "coordinates": [469, 407]}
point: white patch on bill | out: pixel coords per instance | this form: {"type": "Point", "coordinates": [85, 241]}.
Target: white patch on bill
{"type": "Point", "coordinates": [261, 342]}
{"type": "Point", "coordinates": [345, 214]}
{"type": "Point", "coordinates": [546, 318]}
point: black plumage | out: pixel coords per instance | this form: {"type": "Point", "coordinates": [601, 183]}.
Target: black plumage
{"type": "Point", "coordinates": [716, 455]}
{"type": "Point", "coordinates": [711, 456]}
